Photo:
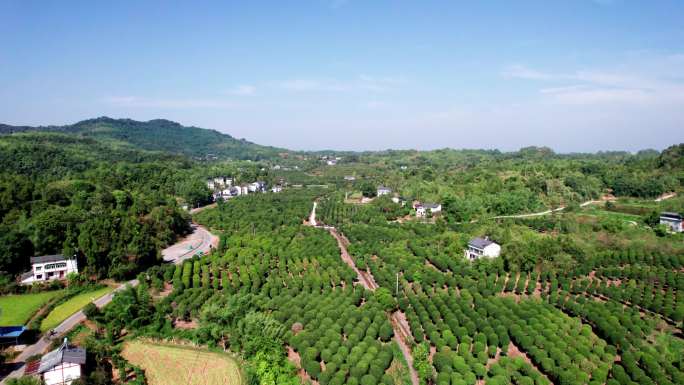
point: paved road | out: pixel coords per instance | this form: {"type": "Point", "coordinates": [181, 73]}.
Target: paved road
{"type": "Point", "coordinates": [198, 209]}
{"type": "Point", "coordinates": [201, 240]}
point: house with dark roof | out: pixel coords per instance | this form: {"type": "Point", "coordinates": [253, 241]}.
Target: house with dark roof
{"type": "Point", "coordinates": [482, 248]}
{"type": "Point", "coordinates": [49, 267]}
{"type": "Point", "coordinates": [673, 221]}
{"type": "Point", "coordinates": [423, 208]}
{"type": "Point", "coordinates": [382, 190]}
{"type": "Point", "coordinates": [61, 366]}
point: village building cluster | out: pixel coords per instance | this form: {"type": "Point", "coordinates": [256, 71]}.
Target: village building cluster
{"type": "Point", "coordinates": [224, 188]}
{"type": "Point", "coordinates": [330, 160]}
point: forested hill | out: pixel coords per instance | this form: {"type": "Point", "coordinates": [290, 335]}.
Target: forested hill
{"type": "Point", "coordinates": [160, 135]}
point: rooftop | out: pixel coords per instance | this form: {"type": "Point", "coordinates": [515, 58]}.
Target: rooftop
{"type": "Point", "coordinates": [60, 355]}
{"type": "Point", "coordinates": [480, 243]}
{"type": "Point", "coordinates": [671, 215]}
{"type": "Point", "coordinates": [11, 331]}
{"type": "Point", "coordinates": [48, 258]}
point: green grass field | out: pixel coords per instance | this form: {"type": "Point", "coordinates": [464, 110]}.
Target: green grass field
{"type": "Point", "coordinates": [171, 365]}
{"type": "Point", "coordinates": [17, 309]}
{"type": "Point", "coordinates": [66, 309]}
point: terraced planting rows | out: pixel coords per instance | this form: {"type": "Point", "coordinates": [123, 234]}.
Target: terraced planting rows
{"type": "Point", "coordinates": [290, 288]}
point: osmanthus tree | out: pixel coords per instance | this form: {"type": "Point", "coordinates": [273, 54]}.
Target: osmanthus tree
{"type": "Point", "coordinates": [346, 329]}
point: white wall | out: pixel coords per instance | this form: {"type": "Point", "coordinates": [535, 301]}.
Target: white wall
{"type": "Point", "coordinates": [492, 250]}
{"type": "Point", "coordinates": [62, 374]}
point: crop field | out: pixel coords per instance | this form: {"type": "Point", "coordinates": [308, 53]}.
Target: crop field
{"type": "Point", "coordinates": [66, 309]}
{"type": "Point", "coordinates": [17, 309]}
{"type": "Point", "coordinates": [170, 365]}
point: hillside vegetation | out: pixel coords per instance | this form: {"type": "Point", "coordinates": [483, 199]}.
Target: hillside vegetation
{"type": "Point", "coordinates": [159, 135]}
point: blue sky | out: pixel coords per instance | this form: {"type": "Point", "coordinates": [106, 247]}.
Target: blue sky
{"type": "Point", "coordinates": [575, 75]}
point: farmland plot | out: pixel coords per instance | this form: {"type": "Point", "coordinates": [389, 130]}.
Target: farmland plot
{"type": "Point", "coordinates": [171, 365]}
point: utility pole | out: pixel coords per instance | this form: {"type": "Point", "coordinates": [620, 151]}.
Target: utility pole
{"type": "Point", "coordinates": [397, 286]}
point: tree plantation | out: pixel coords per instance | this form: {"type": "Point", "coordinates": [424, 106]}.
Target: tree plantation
{"type": "Point", "coordinates": [322, 281]}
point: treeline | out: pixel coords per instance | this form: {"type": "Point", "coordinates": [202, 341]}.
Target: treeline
{"type": "Point", "coordinates": [112, 208]}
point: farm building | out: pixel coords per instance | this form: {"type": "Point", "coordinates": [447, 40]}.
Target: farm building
{"type": "Point", "coordinates": [673, 221]}
{"type": "Point", "coordinates": [49, 267]}
{"type": "Point", "coordinates": [382, 190]}
{"type": "Point", "coordinates": [423, 208]}
{"type": "Point", "coordinates": [61, 366]}
{"type": "Point", "coordinates": [482, 248]}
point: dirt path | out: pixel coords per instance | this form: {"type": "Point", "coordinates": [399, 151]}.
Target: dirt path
{"type": "Point", "coordinates": [402, 332]}
{"type": "Point", "coordinates": [665, 196]}
{"type": "Point", "coordinates": [200, 209]}
{"type": "Point", "coordinates": [294, 357]}
{"type": "Point", "coordinates": [514, 352]}
{"type": "Point", "coordinates": [312, 217]}
{"type": "Point", "coordinates": [365, 278]}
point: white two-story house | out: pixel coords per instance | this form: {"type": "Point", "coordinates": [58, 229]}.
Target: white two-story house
{"type": "Point", "coordinates": [49, 267]}
{"type": "Point", "coordinates": [482, 248]}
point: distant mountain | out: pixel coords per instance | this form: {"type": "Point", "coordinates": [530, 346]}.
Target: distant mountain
{"type": "Point", "coordinates": [160, 135]}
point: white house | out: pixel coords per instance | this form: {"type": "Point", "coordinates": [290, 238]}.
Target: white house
{"type": "Point", "coordinates": [61, 366]}
{"type": "Point", "coordinates": [211, 184]}
{"type": "Point", "coordinates": [423, 208]}
{"type": "Point", "coordinates": [257, 186]}
{"type": "Point", "coordinates": [225, 193]}
{"type": "Point", "coordinates": [349, 178]}
{"type": "Point", "coordinates": [276, 189]}
{"type": "Point", "coordinates": [219, 181]}
{"type": "Point", "coordinates": [331, 162]}
{"type": "Point", "coordinates": [482, 247]}
{"type": "Point", "coordinates": [49, 267]}
{"type": "Point", "coordinates": [673, 221]}
{"type": "Point", "coordinates": [382, 190]}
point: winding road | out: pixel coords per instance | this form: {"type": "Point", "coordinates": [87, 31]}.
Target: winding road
{"type": "Point", "coordinates": [200, 241]}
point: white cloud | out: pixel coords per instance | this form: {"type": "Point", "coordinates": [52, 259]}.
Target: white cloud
{"type": "Point", "coordinates": [361, 82]}
{"type": "Point", "coordinates": [243, 90]}
{"type": "Point", "coordinates": [375, 105]}
{"type": "Point", "coordinates": [523, 72]}
{"type": "Point", "coordinates": [645, 79]}
{"type": "Point", "coordinates": [581, 94]}
{"type": "Point", "coordinates": [167, 103]}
